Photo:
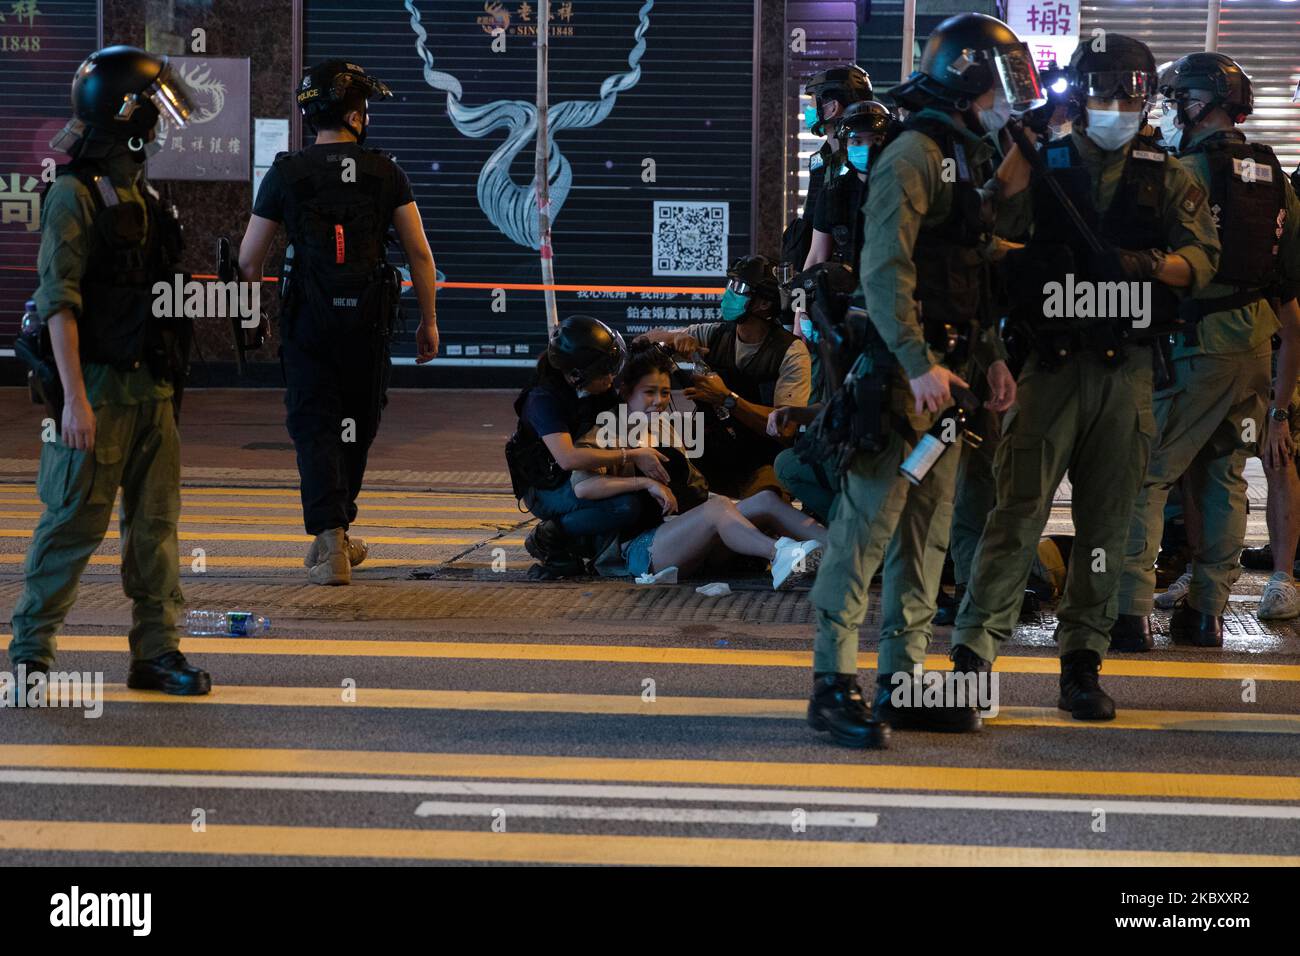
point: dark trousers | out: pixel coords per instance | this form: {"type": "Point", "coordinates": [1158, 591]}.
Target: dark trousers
{"type": "Point", "coordinates": [334, 396]}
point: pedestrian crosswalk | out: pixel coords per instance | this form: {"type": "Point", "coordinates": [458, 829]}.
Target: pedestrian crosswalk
{"type": "Point", "coordinates": [533, 737]}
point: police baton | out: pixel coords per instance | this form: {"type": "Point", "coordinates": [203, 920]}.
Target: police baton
{"type": "Point", "coordinates": [246, 339]}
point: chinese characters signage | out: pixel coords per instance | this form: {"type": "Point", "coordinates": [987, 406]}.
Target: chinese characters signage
{"type": "Point", "coordinates": [215, 144]}
{"type": "Point", "coordinates": [1049, 27]}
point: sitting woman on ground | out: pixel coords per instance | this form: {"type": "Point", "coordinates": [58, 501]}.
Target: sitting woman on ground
{"type": "Point", "coordinates": [571, 387]}
{"type": "Point", "coordinates": [762, 525]}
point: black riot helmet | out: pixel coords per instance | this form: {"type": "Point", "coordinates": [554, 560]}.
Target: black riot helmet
{"type": "Point", "coordinates": [965, 57]}
{"type": "Point", "coordinates": [865, 117]}
{"type": "Point", "coordinates": [1219, 75]}
{"type": "Point", "coordinates": [845, 85]}
{"type": "Point", "coordinates": [118, 95]}
{"type": "Point", "coordinates": [755, 278]}
{"type": "Point", "coordinates": [1112, 66]}
{"type": "Point", "coordinates": [334, 88]}
{"type": "Point", "coordinates": [585, 349]}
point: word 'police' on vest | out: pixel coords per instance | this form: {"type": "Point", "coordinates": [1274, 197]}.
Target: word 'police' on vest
{"type": "Point", "coordinates": [624, 429]}
{"type": "Point", "coordinates": [208, 300]}
{"type": "Point", "coordinates": [1098, 300]}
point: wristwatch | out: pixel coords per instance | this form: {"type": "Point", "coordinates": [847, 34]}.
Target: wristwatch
{"type": "Point", "coordinates": [1279, 414]}
{"type": "Point", "coordinates": [730, 401]}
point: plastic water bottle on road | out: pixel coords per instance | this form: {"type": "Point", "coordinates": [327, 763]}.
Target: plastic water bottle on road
{"type": "Point", "coordinates": [225, 624]}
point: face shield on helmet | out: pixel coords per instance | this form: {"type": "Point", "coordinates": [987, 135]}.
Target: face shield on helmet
{"type": "Point", "coordinates": [1021, 84]}
{"type": "Point", "coordinates": [172, 98]}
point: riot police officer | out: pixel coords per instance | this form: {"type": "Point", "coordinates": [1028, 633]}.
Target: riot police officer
{"type": "Point", "coordinates": [105, 240]}
{"type": "Point", "coordinates": [833, 92]}
{"type": "Point", "coordinates": [1211, 415]}
{"type": "Point", "coordinates": [1085, 391]}
{"type": "Point", "coordinates": [337, 201]}
{"type": "Point", "coordinates": [863, 129]}
{"type": "Point", "coordinates": [924, 283]}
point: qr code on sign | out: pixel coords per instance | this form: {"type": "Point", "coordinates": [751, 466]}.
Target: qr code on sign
{"type": "Point", "coordinates": [690, 238]}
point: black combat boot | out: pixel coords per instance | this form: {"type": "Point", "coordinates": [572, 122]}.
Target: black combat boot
{"type": "Point", "coordinates": [914, 715]}
{"type": "Point", "coordinates": [171, 673]}
{"type": "Point", "coordinates": [1190, 626]}
{"type": "Point", "coordinates": [556, 552]}
{"type": "Point", "coordinates": [837, 706]}
{"type": "Point", "coordinates": [1081, 692]}
{"type": "Point", "coordinates": [946, 607]}
{"type": "Point", "coordinates": [1131, 633]}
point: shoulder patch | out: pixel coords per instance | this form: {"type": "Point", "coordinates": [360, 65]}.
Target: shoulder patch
{"type": "Point", "coordinates": [1193, 199]}
{"type": "Point", "coordinates": [1149, 155]}
{"type": "Point", "coordinates": [815, 162]}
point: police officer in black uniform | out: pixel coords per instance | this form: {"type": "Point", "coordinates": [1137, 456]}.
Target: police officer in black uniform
{"type": "Point", "coordinates": [337, 202]}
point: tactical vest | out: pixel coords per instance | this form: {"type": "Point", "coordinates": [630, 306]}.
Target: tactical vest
{"type": "Point", "coordinates": [340, 275]}
{"type": "Point", "coordinates": [952, 278]}
{"type": "Point", "coordinates": [130, 249]}
{"type": "Point", "coordinates": [845, 195]}
{"type": "Point", "coordinates": [737, 451]}
{"type": "Point", "coordinates": [530, 462]}
{"type": "Point", "coordinates": [1134, 220]}
{"type": "Point", "coordinates": [1248, 199]}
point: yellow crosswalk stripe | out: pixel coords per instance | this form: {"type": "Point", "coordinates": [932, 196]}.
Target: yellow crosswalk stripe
{"type": "Point", "coordinates": [664, 706]}
{"type": "Point", "coordinates": [557, 848]}
{"type": "Point", "coordinates": [114, 535]}
{"type": "Point", "coordinates": [750, 773]}
{"type": "Point", "coordinates": [188, 507]}
{"type": "Point", "coordinates": [633, 654]}
{"type": "Point", "coordinates": [292, 493]}
{"type": "Point", "coordinates": [358, 528]}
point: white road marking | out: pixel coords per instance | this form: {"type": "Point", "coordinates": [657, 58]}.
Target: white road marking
{"type": "Point", "coordinates": [565, 811]}
{"type": "Point", "coordinates": [723, 795]}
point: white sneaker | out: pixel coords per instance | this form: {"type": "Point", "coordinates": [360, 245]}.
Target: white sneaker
{"type": "Point", "coordinates": [789, 555]}
{"type": "Point", "coordinates": [1280, 601]}
{"type": "Point", "coordinates": [1175, 592]}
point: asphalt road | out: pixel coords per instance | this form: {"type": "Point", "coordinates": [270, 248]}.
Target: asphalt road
{"type": "Point", "coordinates": [445, 709]}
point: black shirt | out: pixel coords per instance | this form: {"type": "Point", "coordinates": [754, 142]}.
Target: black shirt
{"type": "Point", "coordinates": [841, 202]}
{"type": "Point", "coordinates": [270, 197]}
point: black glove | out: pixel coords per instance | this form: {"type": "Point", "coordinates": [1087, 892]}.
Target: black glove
{"type": "Point", "coordinates": [1132, 264]}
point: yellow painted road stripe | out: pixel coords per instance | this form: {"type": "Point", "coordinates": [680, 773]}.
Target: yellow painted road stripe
{"type": "Point", "coordinates": [557, 848]}
{"type": "Point", "coordinates": [435, 523]}
{"type": "Point", "coordinates": [747, 773]}
{"type": "Point", "coordinates": [291, 506]}
{"type": "Point", "coordinates": [359, 527]}
{"type": "Point", "coordinates": [113, 535]}
{"type": "Point", "coordinates": [620, 654]}
{"type": "Point", "coordinates": [633, 704]}
{"type": "Point", "coordinates": [216, 561]}
{"type": "Point", "coordinates": [289, 491]}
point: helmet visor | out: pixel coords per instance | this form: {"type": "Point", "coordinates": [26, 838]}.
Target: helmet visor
{"type": "Point", "coordinates": [611, 363]}
{"type": "Point", "coordinates": [1019, 77]}
{"type": "Point", "coordinates": [172, 98]}
{"type": "Point", "coordinates": [1119, 84]}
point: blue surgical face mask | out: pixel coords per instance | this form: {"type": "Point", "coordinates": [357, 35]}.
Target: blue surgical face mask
{"type": "Point", "coordinates": [734, 305]}
{"type": "Point", "coordinates": [810, 116]}
{"type": "Point", "coordinates": [860, 157]}
{"type": "Point", "coordinates": [809, 330]}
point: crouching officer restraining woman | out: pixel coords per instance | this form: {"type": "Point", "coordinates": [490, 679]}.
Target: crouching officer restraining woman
{"type": "Point", "coordinates": [106, 238]}
{"type": "Point", "coordinates": [337, 202]}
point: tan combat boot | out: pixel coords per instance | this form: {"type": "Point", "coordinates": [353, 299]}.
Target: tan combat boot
{"type": "Point", "coordinates": [331, 553]}
{"type": "Point", "coordinates": [357, 551]}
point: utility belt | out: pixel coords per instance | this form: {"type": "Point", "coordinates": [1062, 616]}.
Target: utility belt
{"type": "Point", "coordinates": [1107, 341]}
{"type": "Point", "coordinates": [368, 304]}
{"type": "Point", "coordinates": [531, 466]}
{"type": "Point", "coordinates": [856, 418]}
{"type": "Point", "coordinates": [952, 343]}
